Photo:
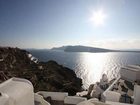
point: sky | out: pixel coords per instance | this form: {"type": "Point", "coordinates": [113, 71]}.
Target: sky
{"type": "Point", "coordinates": [113, 24]}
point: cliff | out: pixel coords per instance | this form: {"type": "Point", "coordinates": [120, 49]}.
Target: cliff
{"type": "Point", "coordinates": [48, 76]}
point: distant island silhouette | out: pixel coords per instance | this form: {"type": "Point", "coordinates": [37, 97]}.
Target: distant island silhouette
{"type": "Point", "coordinates": [79, 48]}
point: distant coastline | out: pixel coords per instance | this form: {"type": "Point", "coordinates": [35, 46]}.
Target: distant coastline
{"type": "Point", "coordinates": [89, 49]}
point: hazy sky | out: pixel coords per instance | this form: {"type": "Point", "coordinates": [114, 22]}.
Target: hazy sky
{"type": "Point", "coordinates": [49, 23]}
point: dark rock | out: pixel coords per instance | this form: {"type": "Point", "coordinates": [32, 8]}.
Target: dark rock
{"type": "Point", "coordinates": [48, 76]}
{"type": "Point", "coordinates": [129, 85]}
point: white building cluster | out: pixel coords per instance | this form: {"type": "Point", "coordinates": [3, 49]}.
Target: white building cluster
{"type": "Point", "coordinates": [17, 91]}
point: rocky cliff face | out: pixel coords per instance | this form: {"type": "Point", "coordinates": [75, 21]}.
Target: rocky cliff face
{"type": "Point", "coordinates": [48, 76]}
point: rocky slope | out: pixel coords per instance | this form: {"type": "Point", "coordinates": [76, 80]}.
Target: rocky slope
{"type": "Point", "coordinates": [48, 76]}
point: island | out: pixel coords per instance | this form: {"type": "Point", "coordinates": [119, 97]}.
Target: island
{"type": "Point", "coordinates": [79, 48]}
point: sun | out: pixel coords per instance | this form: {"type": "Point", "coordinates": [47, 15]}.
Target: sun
{"type": "Point", "coordinates": [98, 18]}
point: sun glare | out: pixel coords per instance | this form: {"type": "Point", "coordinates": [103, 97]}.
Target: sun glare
{"type": "Point", "coordinates": [98, 18]}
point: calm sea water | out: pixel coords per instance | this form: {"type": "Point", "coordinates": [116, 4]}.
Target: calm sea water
{"type": "Point", "coordinates": [90, 66]}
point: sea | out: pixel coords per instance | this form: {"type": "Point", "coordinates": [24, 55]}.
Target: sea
{"type": "Point", "coordinates": [90, 66]}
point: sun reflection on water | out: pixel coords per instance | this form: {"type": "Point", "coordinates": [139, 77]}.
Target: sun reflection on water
{"type": "Point", "coordinates": [90, 66]}
{"type": "Point", "coordinates": [93, 66]}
